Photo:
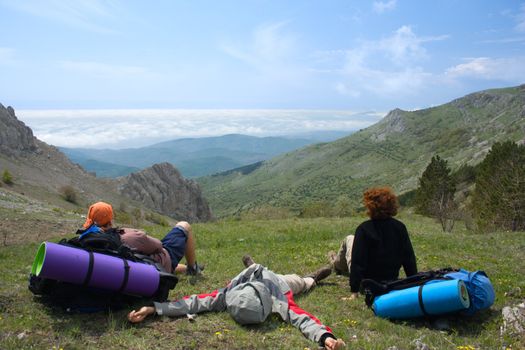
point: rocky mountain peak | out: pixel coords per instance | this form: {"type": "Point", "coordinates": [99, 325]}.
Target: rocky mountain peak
{"type": "Point", "coordinates": [162, 188]}
{"type": "Point", "coordinates": [16, 139]}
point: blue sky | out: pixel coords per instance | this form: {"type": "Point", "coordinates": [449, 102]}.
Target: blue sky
{"type": "Point", "coordinates": [254, 54]}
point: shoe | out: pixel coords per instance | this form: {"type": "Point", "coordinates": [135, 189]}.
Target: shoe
{"type": "Point", "coordinates": [247, 260]}
{"type": "Point", "coordinates": [195, 270]}
{"type": "Point", "coordinates": [320, 274]}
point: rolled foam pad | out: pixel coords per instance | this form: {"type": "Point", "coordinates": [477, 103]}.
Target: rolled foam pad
{"type": "Point", "coordinates": [68, 264]}
{"type": "Point", "coordinates": [437, 297]}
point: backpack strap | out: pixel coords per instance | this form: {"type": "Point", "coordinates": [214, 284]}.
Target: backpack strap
{"type": "Point", "coordinates": [89, 273]}
{"type": "Point", "coordinates": [420, 300]}
{"type": "Point", "coordinates": [126, 276]}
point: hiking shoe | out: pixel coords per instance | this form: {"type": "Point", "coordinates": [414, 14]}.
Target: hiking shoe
{"type": "Point", "coordinates": [195, 270]}
{"type": "Point", "coordinates": [320, 274]}
{"type": "Point", "coordinates": [247, 260]}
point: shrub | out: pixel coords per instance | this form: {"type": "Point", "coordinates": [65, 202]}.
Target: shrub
{"type": "Point", "coordinates": [342, 207]}
{"type": "Point", "coordinates": [317, 209]}
{"type": "Point", "coordinates": [157, 219]}
{"type": "Point", "coordinates": [267, 212]}
{"type": "Point", "coordinates": [69, 194]}
{"type": "Point", "coordinates": [7, 178]}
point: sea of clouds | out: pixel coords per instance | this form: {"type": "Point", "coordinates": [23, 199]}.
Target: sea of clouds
{"type": "Point", "coordinates": [123, 128]}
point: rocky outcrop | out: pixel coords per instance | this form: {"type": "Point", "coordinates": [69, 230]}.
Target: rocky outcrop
{"type": "Point", "coordinates": [393, 122]}
{"type": "Point", "coordinates": [16, 139]}
{"type": "Point", "coordinates": [163, 189]}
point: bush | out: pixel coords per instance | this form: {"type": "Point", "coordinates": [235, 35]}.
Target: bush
{"type": "Point", "coordinates": [267, 212]}
{"type": "Point", "coordinates": [157, 219]}
{"type": "Point", "coordinates": [7, 178]}
{"type": "Point", "coordinates": [317, 209]}
{"type": "Point", "coordinates": [342, 207]}
{"type": "Point", "coordinates": [69, 194]}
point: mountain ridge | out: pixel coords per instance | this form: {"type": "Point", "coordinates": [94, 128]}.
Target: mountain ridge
{"type": "Point", "coordinates": [194, 157]}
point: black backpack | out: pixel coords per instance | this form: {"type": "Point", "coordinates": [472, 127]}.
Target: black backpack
{"type": "Point", "coordinates": [81, 298]}
{"type": "Point", "coordinates": [372, 289]}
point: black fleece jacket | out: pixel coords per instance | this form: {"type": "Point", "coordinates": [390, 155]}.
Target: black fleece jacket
{"type": "Point", "coordinates": [380, 248]}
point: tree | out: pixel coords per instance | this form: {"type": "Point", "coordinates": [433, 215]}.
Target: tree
{"type": "Point", "coordinates": [435, 194]}
{"type": "Point", "coordinates": [499, 196]}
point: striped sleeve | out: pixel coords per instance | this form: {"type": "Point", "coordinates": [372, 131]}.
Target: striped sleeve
{"type": "Point", "coordinates": [193, 304]}
{"type": "Point", "coordinates": [307, 323]}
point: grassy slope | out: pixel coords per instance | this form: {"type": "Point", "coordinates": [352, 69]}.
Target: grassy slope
{"type": "Point", "coordinates": [286, 246]}
{"type": "Point", "coordinates": [394, 151]}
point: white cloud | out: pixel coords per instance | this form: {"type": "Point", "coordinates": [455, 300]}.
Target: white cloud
{"type": "Point", "coordinates": [387, 67]}
{"type": "Point", "coordinates": [135, 128]}
{"type": "Point", "coordinates": [91, 15]}
{"type": "Point", "coordinates": [382, 6]}
{"type": "Point", "coordinates": [269, 48]}
{"type": "Point", "coordinates": [520, 19]}
{"type": "Point", "coordinates": [503, 69]}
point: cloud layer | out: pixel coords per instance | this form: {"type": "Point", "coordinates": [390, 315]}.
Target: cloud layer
{"type": "Point", "coordinates": [136, 128]}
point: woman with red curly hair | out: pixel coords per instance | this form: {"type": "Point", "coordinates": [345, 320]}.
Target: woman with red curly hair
{"type": "Point", "coordinates": [380, 246]}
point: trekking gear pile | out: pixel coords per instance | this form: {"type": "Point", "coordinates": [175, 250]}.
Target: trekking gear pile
{"type": "Point", "coordinates": [95, 271]}
{"type": "Point", "coordinates": [423, 290]}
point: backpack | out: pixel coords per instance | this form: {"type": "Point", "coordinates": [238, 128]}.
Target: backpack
{"type": "Point", "coordinates": [85, 299]}
{"type": "Point", "coordinates": [480, 289]}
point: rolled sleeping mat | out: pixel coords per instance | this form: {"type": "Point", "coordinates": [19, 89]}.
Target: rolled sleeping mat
{"type": "Point", "coordinates": [77, 266]}
{"type": "Point", "coordinates": [433, 298]}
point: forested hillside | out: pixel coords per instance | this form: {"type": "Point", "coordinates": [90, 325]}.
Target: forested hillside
{"type": "Point", "coordinates": [394, 152]}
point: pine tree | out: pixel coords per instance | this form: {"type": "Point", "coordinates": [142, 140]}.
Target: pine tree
{"type": "Point", "coordinates": [435, 195]}
{"type": "Point", "coordinates": [499, 197]}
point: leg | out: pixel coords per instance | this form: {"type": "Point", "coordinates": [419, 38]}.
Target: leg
{"type": "Point", "coordinates": [341, 261]}
{"type": "Point", "coordinates": [298, 284]}
{"type": "Point", "coordinates": [189, 251]}
{"type": "Point", "coordinates": [180, 242]}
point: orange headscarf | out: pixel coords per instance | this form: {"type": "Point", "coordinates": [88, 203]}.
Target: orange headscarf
{"type": "Point", "coordinates": [100, 213]}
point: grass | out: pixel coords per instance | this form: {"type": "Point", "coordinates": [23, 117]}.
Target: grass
{"type": "Point", "coordinates": [286, 246]}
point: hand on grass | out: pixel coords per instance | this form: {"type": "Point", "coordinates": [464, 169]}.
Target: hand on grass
{"type": "Point", "coordinates": [334, 344]}
{"type": "Point", "coordinates": [141, 314]}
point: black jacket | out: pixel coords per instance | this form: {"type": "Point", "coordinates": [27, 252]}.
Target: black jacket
{"type": "Point", "coordinates": [380, 248]}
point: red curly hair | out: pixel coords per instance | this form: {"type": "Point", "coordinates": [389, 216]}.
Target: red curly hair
{"type": "Point", "coordinates": [380, 202]}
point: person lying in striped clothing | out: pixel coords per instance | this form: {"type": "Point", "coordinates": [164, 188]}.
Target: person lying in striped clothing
{"type": "Point", "coordinates": [250, 298]}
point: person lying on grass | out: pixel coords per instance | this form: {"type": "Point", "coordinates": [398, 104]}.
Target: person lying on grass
{"type": "Point", "coordinates": [177, 243]}
{"type": "Point", "coordinates": [250, 298]}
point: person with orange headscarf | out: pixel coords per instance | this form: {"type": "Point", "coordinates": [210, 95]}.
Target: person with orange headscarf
{"type": "Point", "coordinates": [179, 242]}
{"type": "Point", "coordinates": [380, 246]}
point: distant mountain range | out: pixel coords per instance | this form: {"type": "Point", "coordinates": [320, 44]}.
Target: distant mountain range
{"type": "Point", "coordinates": [194, 157]}
{"type": "Point", "coordinates": [393, 152]}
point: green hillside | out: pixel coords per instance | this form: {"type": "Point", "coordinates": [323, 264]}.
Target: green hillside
{"type": "Point", "coordinates": [392, 152]}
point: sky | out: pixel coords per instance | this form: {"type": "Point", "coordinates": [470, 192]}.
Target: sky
{"type": "Point", "coordinates": [61, 61]}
